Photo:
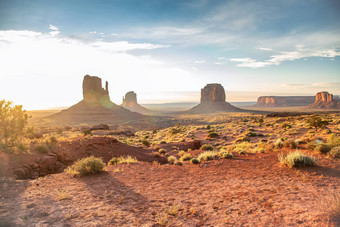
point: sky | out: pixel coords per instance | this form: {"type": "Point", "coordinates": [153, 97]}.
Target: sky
{"type": "Point", "coordinates": [167, 50]}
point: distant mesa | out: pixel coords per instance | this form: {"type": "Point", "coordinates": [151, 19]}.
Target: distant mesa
{"type": "Point", "coordinates": [130, 103]}
{"type": "Point", "coordinates": [325, 100]}
{"type": "Point", "coordinates": [284, 101]}
{"type": "Point", "coordinates": [96, 106]}
{"type": "Point", "coordinates": [213, 101]}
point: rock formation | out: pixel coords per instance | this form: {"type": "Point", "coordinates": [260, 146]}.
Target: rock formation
{"type": "Point", "coordinates": [93, 91]}
{"type": "Point", "coordinates": [95, 108]}
{"type": "Point", "coordinates": [284, 101]}
{"type": "Point", "coordinates": [213, 101]}
{"type": "Point", "coordinates": [324, 100]}
{"type": "Point", "coordinates": [130, 103]}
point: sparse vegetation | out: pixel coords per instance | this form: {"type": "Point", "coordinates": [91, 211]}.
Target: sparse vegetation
{"type": "Point", "coordinates": [123, 160]}
{"type": "Point", "coordinates": [42, 148]}
{"type": "Point", "coordinates": [208, 155]}
{"type": "Point", "coordinates": [172, 159]}
{"type": "Point", "coordinates": [194, 161]}
{"type": "Point", "coordinates": [207, 147]}
{"type": "Point", "coordinates": [86, 166]}
{"type": "Point", "coordinates": [225, 154]}
{"type": "Point", "coordinates": [316, 122]}
{"type": "Point", "coordinates": [323, 148]}
{"type": "Point", "coordinates": [296, 159]}
{"type": "Point", "coordinates": [335, 152]}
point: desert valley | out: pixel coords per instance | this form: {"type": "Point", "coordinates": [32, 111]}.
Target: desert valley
{"type": "Point", "coordinates": [169, 113]}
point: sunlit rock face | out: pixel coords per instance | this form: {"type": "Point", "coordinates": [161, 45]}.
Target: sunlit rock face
{"type": "Point", "coordinates": [325, 100]}
{"type": "Point", "coordinates": [213, 93]}
{"type": "Point", "coordinates": [213, 101]}
{"type": "Point", "coordinates": [130, 103]}
{"type": "Point", "coordinates": [93, 92]}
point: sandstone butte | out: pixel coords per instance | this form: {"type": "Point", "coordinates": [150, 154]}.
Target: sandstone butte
{"type": "Point", "coordinates": [213, 101]}
{"type": "Point", "coordinates": [130, 103]}
{"type": "Point", "coordinates": [325, 100]}
{"type": "Point", "coordinates": [95, 107]}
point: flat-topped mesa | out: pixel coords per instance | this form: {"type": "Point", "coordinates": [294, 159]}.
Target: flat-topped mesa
{"type": "Point", "coordinates": [130, 99]}
{"type": "Point", "coordinates": [325, 100]}
{"type": "Point", "coordinates": [93, 92]}
{"type": "Point", "coordinates": [212, 93]}
{"type": "Point", "coordinates": [284, 101]}
{"type": "Point", "coordinates": [323, 96]}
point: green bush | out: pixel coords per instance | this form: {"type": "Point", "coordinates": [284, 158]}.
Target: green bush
{"type": "Point", "coordinates": [194, 161]}
{"type": "Point", "coordinates": [207, 147]}
{"type": "Point", "coordinates": [208, 155]}
{"type": "Point", "coordinates": [185, 157]}
{"type": "Point", "coordinates": [86, 166]}
{"type": "Point", "coordinates": [113, 161]}
{"type": "Point", "coordinates": [335, 152]}
{"type": "Point", "coordinates": [316, 122]}
{"type": "Point", "coordinates": [42, 148]}
{"type": "Point", "coordinates": [296, 159]}
{"type": "Point", "coordinates": [225, 154]}
{"type": "Point", "coordinates": [323, 148]}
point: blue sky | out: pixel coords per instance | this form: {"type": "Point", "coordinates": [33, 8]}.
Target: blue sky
{"type": "Point", "coordinates": [167, 50]}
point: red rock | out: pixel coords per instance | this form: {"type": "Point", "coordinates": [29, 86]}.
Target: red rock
{"type": "Point", "coordinates": [130, 103]}
{"type": "Point", "coordinates": [282, 101]}
{"type": "Point", "coordinates": [325, 100]}
{"type": "Point", "coordinates": [93, 91]}
{"type": "Point", "coordinates": [213, 93]}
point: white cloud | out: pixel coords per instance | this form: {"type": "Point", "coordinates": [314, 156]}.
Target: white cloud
{"type": "Point", "coordinates": [93, 32]}
{"type": "Point", "coordinates": [52, 27]}
{"type": "Point", "coordinates": [199, 61]}
{"type": "Point", "coordinates": [265, 48]}
{"type": "Point", "coordinates": [300, 52]}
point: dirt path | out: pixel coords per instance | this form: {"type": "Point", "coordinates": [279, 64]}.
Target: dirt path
{"type": "Point", "coordinates": [244, 191]}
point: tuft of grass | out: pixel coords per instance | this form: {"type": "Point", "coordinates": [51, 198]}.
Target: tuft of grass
{"type": "Point", "coordinates": [172, 159]}
{"type": "Point", "coordinates": [162, 151]}
{"type": "Point", "coordinates": [208, 155]}
{"type": "Point", "coordinates": [123, 160]}
{"type": "Point", "coordinates": [333, 140]}
{"type": "Point", "coordinates": [194, 161]}
{"type": "Point", "coordinates": [335, 152]}
{"type": "Point", "coordinates": [289, 144]}
{"type": "Point", "coordinates": [86, 166]}
{"type": "Point", "coordinates": [146, 143]}
{"type": "Point", "coordinates": [225, 154]}
{"type": "Point", "coordinates": [243, 147]}
{"type": "Point", "coordinates": [296, 159]}
{"type": "Point", "coordinates": [42, 148]}
{"type": "Point", "coordinates": [330, 204]}
{"type": "Point", "coordinates": [62, 195]}
{"type": "Point", "coordinates": [172, 210]}
{"type": "Point", "coordinates": [323, 148]}
{"type": "Point", "coordinates": [162, 219]}
{"type": "Point", "coordinates": [213, 135]}
{"type": "Point", "coordinates": [279, 143]}
{"type": "Point", "coordinates": [185, 157]}
{"type": "Point", "coordinates": [207, 147]}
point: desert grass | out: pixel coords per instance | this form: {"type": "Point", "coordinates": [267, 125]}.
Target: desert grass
{"type": "Point", "coordinates": [296, 159]}
{"type": "Point", "coordinates": [86, 166]}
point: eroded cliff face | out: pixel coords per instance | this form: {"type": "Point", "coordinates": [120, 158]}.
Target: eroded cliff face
{"type": "Point", "coordinates": [325, 100]}
{"type": "Point", "coordinates": [93, 92]}
{"type": "Point", "coordinates": [284, 101]}
{"type": "Point", "coordinates": [213, 93]}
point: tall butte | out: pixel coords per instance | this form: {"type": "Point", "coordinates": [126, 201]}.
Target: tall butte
{"type": "Point", "coordinates": [213, 101]}
{"type": "Point", "coordinates": [130, 103]}
{"type": "Point", "coordinates": [325, 100]}
{"type": "Point", "coordinates": [96, 106]}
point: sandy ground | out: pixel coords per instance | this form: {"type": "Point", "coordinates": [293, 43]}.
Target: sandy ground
{"type": "Point", "coordinates": [248, 190]}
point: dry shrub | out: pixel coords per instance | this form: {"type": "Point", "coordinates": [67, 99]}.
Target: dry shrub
{"type": "Point", "coordinates": [208, 155]}
{"type": "Point", "coordinates": [296, 159]}
{"type": "Point", "coordinates": [335, 152]}
{"type": "Point", "coordinates": [86, 166]}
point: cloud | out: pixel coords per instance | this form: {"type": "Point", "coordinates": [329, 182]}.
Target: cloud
{"type": "Point", "coordinates": [199, 61]}
{"type": "Point", "coordinates": [55, 30]}
{"type": "Point", "coordinates": [52, 27]}
{"type": "Point", "coordinates": [300, 52]}
{"type": "Point", "coordinates": [265, 48]}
